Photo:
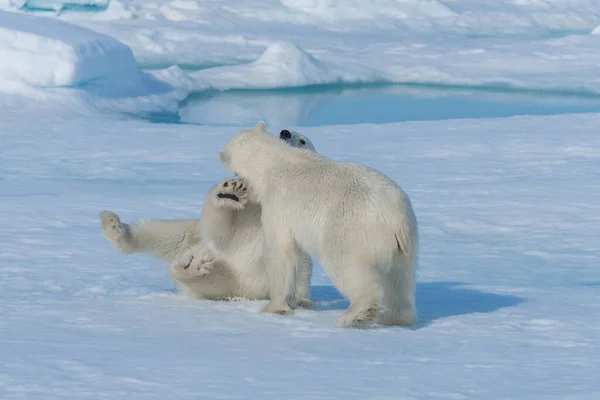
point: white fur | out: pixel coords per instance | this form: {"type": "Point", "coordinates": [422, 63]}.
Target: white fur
{"type": "Point", "coordinates": [357, 222]}
{"type": "Point", "coordinates": [218, 256]}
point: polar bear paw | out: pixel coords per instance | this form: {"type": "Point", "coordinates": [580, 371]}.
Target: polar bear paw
{"type": "Point", "coordinates": [405, 317]}
{"type": "Point", "coordinates": [356, 318]}
{"type": "Point", "coordinates": [275, 308]}
{"type": "Point", "coordinates": [111, 226]}
{"type": "Point", "coordinates": [194, 262]}
{"type": "Point", "coordinates": [232, 193]}
{"type": "Point", "coordinates": [307, 304]}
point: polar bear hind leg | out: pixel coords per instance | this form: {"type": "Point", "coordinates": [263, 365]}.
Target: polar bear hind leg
{"type": "Point", "coordinates": [399, 292]}
{"type": "Point", "coordinates": [195, 261]}
{"type": "Point", "coordinates": [283, 260]}
{"type": "Point", "coordinates": [165, 239]}
{"type": "Point", "coordinates": [360, 283]}
{"type": "Point", "coordinates": [113, 229]}
{"type": "Point", "coordinates": [303, 276]}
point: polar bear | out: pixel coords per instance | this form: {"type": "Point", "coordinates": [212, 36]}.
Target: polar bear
{"type": "Point", "coordinates": [356, 221]}
{"type": "Point", "coordinates": [218, 256]}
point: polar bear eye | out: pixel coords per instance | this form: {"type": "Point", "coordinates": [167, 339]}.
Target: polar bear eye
{"type": "Point", "coordinates": [302, 142]}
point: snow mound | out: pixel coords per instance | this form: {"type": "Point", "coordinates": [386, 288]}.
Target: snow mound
{"type": "Point", "coordinates": [48, 52]}
{"type": "Point", "coordinates": [282, 65]}
{"type": "Point", "coordinates": [286, 64]}
{"type": "Point", "coordinates": [59, 5]}
{"type": "Point", "coordinates": [596, 31]}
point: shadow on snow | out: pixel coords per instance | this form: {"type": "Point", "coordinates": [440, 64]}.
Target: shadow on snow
{"type": "Point", "coordinates": [435, 300]}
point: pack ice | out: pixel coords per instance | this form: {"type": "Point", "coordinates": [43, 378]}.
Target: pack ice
{"type": "Point", "coordinates": [48, 52]}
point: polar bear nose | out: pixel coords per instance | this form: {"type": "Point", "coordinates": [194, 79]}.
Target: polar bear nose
{"type": "Point", "coordinates": [285, 134]}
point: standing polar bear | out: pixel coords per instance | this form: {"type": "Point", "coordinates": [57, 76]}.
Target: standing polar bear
{"type": "Point", "coordinates": [358, 223]}
{"type": "Point", "coordinates": [221, 254]}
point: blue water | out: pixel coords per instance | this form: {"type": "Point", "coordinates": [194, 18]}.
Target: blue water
{"type": "Point", "coordinates": [319, 106]}
{"type": "Point", "coordinates": [50, 6]}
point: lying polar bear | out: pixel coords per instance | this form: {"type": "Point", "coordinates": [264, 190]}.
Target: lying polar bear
{"type": "Point", "coordinates": [357, 222]}
{"type": "Point", "coordinates": [221, 254]}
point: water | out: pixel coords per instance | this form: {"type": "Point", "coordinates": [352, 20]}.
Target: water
{"type": "Point", "coordinates": [319, 106]}
{"type": "Point", "coordinates": [55, 7]}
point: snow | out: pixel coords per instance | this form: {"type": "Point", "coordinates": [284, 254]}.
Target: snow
{"type": "Point", "coordinates": [507, 293]}
{"type": "Point", "coordinates": [48, 52]}
{"type": "Point", "coordinates": [509, 208]}
{"type": "Point", "coordinates": [185, 47]}
{"type": "Point", "coordinates": [101, 71]}
{"type": "Point", "coordinates": [464, 17]}
{"type": "Point", "coordinates": [402, 36]}
{"type": "Point", "coordinates": [282, 65]}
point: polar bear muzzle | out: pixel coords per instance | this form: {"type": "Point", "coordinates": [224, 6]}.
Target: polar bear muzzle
{"type": "Point", "coordinates": [285, 135]}
{"type": "Point", "coordinates": [296, 140]}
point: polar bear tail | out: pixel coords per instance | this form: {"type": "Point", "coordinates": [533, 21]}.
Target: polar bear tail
{"type": "Point", "coordinates": [407, 234]}
{"type": "Point", "coordinates": [406, 241]}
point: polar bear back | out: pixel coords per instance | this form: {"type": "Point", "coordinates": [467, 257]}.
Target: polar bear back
{"type": "Point", "coordinates": [338, 186]}
{"type": "Point", "coordinates": [315, 196]}
{"type": "Point", "coordinates": [331, 199]}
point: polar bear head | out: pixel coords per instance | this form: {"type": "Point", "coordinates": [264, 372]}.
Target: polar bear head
{"type": "Point", "coordinates": [251, 151]}
{"type": "Point", "coordinates": [296, 139]}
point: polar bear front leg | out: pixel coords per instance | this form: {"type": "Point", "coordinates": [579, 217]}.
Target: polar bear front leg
{"type": "Point", "coordinates": [222, 203]}
{"type": "Point", "coordinates": [303, 276]}
{"type": "Point", "coordinates": [232, 193]}
{"type": "Point", "coordinates": [282, 259]}
{"type": "Point", "coordinates": [195, 262]}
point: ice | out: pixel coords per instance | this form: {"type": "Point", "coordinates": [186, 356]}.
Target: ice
{"type": "Point", "coordinates": [507, 290]}
{"type": "Point", "coordinates": [48, 52]}
{"type": "Point", "coordinates": [238, 108]}
{"type": "Point", "coordinates": [196, 46]}
{"type": "Point", "coordinates": [464, 17]}
{"type": "Point", "coordinates": [549, 66]}
{"type": "Point", "coordinates": [281, 65]}
{"type": "Point", "coordinates": [532, 45]}
{"type": "Point", "coordinates": [474, 17]}
{"type": "Point", "coordinates": [91, 68]}
{"type": "Point", "coordinates": [353, 10]}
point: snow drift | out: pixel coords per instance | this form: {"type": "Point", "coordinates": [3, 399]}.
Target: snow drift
{"type": "Point", "coordinates": [48, 52]}
{"type": "Point", "coordinates": [281, 65]}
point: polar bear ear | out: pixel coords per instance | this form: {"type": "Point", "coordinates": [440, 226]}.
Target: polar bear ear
{"type": "Point", "coordinates": [261, 126]}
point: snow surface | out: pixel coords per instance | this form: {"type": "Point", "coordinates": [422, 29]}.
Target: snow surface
{"type": "Point", "coordinates": [47, 52]}
{"type": "Point", "coordinates": [196, 46]}
{"type": "Point", "coordinates": [40, 53]}
{"type": "Point", "coordinates": [507, 291]}
{"type": "Point", "coordinates": [464, 17]}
